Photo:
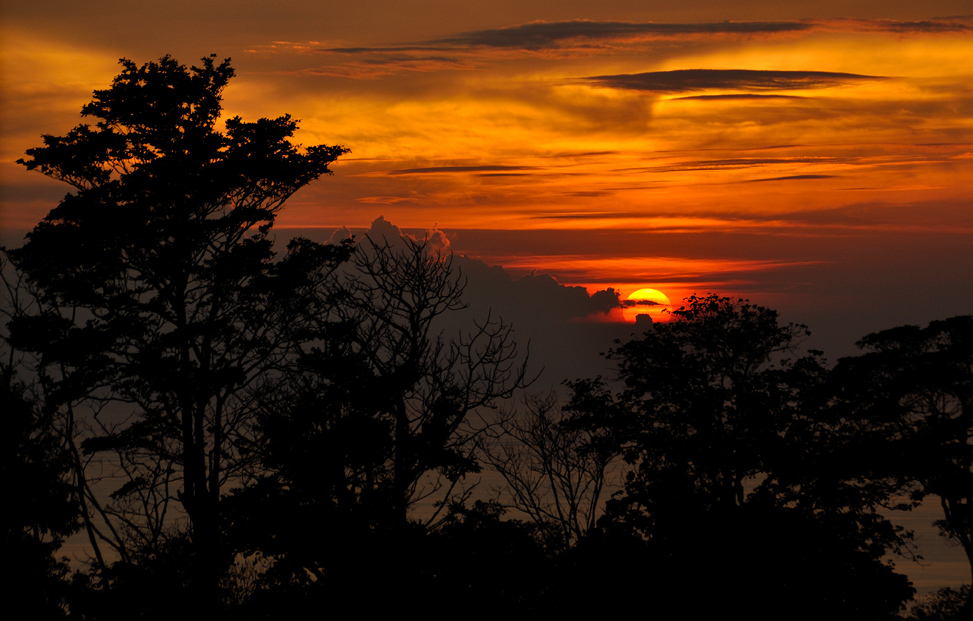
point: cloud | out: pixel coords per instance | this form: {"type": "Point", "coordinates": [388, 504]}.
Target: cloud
{"type": "Point", "coordinates": [792, 178]}
{"type": "Point", "coordinates": [589, 36]}
{"type": "Point", "coordinates": [559, 323]}
{"type": "Point", "coordinates": [927, 26]}
{"type": "Point", "coordinates": [540, 34]}
{"type": "Point", "coordinates": [565, 40]}
{"type": "Point", "coordinates": [743, 96]}
{"type": "Point", "coordinates": [383, 50]}
{"type": "Point", "coordinates": [383, 200]}
{"type": "Point", "coordinates": [381, 64]}
{"type": "Point", "coordinates": [545, 315]}
{"type": "Point", "coordinates": [688, 80]}
{"type": "Point", "coordinates": [339, 236]}
{"type": "Point", "coordinates": [437, 240]}
{"type": "Point", "coordinates": [531, 298]}
{"type": "Point", "coordinates": [741, 163]}
{"type": "Point", "coordinates": [461, 169]}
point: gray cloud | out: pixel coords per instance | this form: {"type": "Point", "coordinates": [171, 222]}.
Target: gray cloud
{"type": "Point", "coordinates": [687, 80]}
{"type": "Point", "coordinates": [538, 35]}
{"type": "Point", "coordinates": [933, 26]}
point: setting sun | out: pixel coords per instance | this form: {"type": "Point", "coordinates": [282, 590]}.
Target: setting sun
{"type": "Point", "coordinates": [646, 301]}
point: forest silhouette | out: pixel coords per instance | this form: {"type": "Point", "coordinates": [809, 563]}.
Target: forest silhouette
{"type": "Point", "coordinates": [242, 432]}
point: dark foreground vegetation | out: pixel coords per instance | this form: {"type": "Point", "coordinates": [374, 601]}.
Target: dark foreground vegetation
{"type": "Point", "coordinates": [241, 433]}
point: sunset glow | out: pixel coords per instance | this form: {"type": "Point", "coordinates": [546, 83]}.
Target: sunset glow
{"type": "Point", "coordinates": [789, 155]}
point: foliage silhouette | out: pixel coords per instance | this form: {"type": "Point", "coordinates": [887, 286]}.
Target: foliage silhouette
{"type": "Point", "coordinates": [945, 605]}
{"type": "Point", "coordinates": [727, 434]}
{"type": "Point", "coordinates": [912, 388]}
{"type": "Point", "coordinates": [708, 402]}
{"type": "Point", "coordinates": [159, 291]}
{"type": "Point", "coordinates": [40, 511]}
{"type": "Point", "coordinates": [375, 419]}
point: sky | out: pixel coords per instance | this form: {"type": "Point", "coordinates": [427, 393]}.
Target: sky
{"type": "Point", "coordinates": [815, 156]}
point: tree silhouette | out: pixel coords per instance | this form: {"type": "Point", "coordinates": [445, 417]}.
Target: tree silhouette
{"type": "Point", "coordinates": [40, 510]}
{"type": "Point", "coordinates": [730, 442]}
{"type": "Point", "coordinates": [378, 418]}
{"type": "Point", "coordinates": [912, 390]}
{"type": "Point", "coordinates": [162, 303]}
{"type": "Point", "coordinates": [707, 402]}
{"type": "Point", "coordinates": [551, 472]}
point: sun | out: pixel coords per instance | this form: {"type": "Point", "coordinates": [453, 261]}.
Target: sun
{"type": "Point", "coordinates": [646, 301]}
{"type": "Point", "coordinates": [650, 295]}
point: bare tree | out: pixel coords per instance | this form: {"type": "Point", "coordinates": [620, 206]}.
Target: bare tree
{"type": "Point", "coordinates": [375, 429]}
{"type": "Point", "coordinates": [550, 471]}
{"type": "Point", "coordinates": [426, 383]}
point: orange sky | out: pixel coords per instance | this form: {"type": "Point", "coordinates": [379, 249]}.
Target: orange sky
{"type": "Point", "coordinates": [813, 158]}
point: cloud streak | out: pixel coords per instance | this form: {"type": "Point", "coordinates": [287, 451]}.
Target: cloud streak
{"type": "Point", "coordinates": [538, 35]}
{"type": "Point", "coordinates": [792, 178]}
{"type": "Point", "coordinates": [688, 80]}
{"type": "Point", "coordinates": [591, 35]}
{"type": "Point", "coordinates": [462, 169]}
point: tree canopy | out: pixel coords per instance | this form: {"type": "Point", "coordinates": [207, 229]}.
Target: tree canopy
{"type": "Point", "coordinates": [156, 289]}
{"type": "Point", "coordinates": [912, 391]}
{"type": "Point", "coordinates": [726, 427]}
{"type": "Point", "coordinates": [708, 401]}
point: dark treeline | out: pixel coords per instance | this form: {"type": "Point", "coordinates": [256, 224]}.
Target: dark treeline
{"type": "Point", "coordinates": [245, 433]}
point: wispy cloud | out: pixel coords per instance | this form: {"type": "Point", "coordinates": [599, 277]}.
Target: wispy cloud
{"type": "Point", "coordinates": [537, 35]}
{"type": "Point", "coordinates": [577, 39]}
{"type": "Point", "coordinates": [740, 163]}
{"type": "Point", "coordinates": [542, 35]}
{"type": "Point", "coordinates": [792, 178]}
{"type": "Point", "coordinates": [740, 96]}
{"type": "Point", "coordinates": [946, 25]}
{"type": "Point", "coordinates": [688, 80]}
{"type": "Point", "coordinates": [461, 169]}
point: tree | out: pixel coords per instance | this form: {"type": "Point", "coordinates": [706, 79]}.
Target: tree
{"type": "Point", "coordinates": [944, 605]}
{"type": "Point", "coordinates": [40, 510]}
{"type": "Point", "coordinates": [707, 403]}
{"type": "Point", "coordinates": [912, 392]}
{"type": "Point", "coordinates": [550, 471]}
{"type": "Point", "coordinates": [158, 300]}
{"type": "Point", "coordinates": [735, 454]}
{"type": "Point", "coordinates": [378, 418]}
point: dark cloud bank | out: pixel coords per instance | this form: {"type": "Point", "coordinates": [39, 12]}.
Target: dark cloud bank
{"type": "Point", "coordinates": [561, 328]}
